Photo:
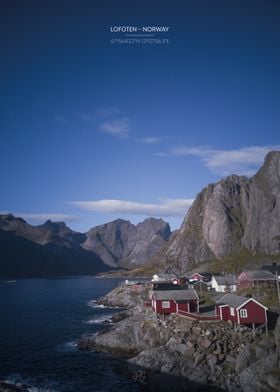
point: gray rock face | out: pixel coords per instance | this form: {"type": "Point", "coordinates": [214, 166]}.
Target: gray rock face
{"type": "Point", "coordinates": [122, 244]}
{"type": "Point", "coordinates": [243, 359]}
{"type": "Point", "coordinates": [124, 296]}
{"type": "Point", "coordinates": [235, 213]}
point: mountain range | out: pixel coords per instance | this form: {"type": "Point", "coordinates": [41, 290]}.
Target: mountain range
{"type": "Point", "coordinates": [237, 214]}
{"type": "Point", "coordinates": [54, 249]}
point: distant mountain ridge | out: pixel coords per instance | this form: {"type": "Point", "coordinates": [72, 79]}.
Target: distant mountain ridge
{"type": "Point", "coordinates": [234, 214]}
{"type": "Point", "coordinates": [49, 232]}
{"type": "Point", "coordinates": [122, 244]}
{"type": "Point", "coordinates": [20, 257]}
{"type": "Point", "coordinates": [53, 248]}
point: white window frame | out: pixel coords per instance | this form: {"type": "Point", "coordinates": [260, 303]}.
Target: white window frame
{"type": "Point", "coordinates": [232, 313]}
{"type": "Point", "coordinates": [165, 304]}
{"type": "Point", "coordinates": [243, 313]}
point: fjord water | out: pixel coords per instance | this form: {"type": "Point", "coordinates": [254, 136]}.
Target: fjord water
{"type": "Point", "coordinates": [40, 321]}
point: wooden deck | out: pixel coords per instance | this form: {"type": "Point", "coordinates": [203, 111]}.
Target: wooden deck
{"type": "Point", "coordinates": [199, 316]}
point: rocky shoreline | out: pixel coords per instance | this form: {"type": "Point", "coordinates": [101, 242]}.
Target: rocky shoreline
{"type": "Point", "coordinates": [188, 355]}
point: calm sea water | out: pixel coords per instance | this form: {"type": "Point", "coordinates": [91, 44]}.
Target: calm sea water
{"type": "Point", "coordinates": [40, 320]}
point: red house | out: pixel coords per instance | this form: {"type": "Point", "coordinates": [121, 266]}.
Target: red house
{"type": "Point", "coordinates": [255, 278]}
{"type": "Point", "coordinates": [241, 310]}
{"type": "Point", "coordinates": [170, 301]}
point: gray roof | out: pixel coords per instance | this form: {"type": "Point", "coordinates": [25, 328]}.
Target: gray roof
{"type": "Point", "coordinates": [225, 279]}
{"type": "Point", "coordinates": [166, 286]}
{"type": "Point", "coordinates": [176, 295]}
{"type": "Point", "coordinates": [207, 274]}
{"type": "Point", "coordinates": [232, 300]}
{"type": "Point", "coordinates": [273, 268]}
{"type": "Point", "coordinates": [260, 275]}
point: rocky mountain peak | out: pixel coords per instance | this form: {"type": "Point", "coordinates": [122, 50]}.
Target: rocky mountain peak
{"type": "Point", "coordinates": [10, 218]}
{"type": "Point", "coordinates": [47, 233]}
{"type": "Point", "coordinates": [234, 214]}
{"type": "Point", "coordinates": [121, 243]}
{"type": "Point", "coordinates": [157, 226]}
{"type": "Point", "coordinates": [271, 159]}
{"type": "Point", "coordinates": [268, 177]}
{"type": "Point", "coordinates": [54, 225]}
{"type": "Point", "coordinates": [7, 217]}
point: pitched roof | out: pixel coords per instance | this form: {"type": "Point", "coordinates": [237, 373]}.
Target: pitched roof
{"type": "Point", "coordinates": [176, 295]}
{"type": "Point", "coordinates": [260, 275]}
{"type": "Point", "coordinates": [166, 286]}
{"type": "Point", "coordinates": [273, 268]}
{"type": "Point", "coordinates": [200, 282]}
{"type": "Point", "coordinates": [236, 301]}
{"type": "Point", "coordinates": [232, 300]}
{"type": "Point", "coordinates": [206, 274]}
{"type": "Point", "coordinates": [225, 279]}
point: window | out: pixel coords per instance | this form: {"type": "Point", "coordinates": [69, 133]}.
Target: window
{"type": "Point", "coordinates": [165, 304]}
{"type": "Point", "coordinates": [243, 313]}
{"type": "Point", "coordinates": [232, 311]}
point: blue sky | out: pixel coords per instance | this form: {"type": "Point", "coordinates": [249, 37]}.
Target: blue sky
{"type": "Point", "coordinates": [91, 131]}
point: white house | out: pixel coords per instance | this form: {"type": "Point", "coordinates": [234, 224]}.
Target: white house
{"type": "Point", "coordinates": [223, 283]}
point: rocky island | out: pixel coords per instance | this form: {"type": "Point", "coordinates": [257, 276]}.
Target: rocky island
{"type": "Point", "coordinates": [178, 354]}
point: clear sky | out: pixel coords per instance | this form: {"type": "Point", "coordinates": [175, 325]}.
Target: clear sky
{"type": "Point", "coordinates": [91, 130]}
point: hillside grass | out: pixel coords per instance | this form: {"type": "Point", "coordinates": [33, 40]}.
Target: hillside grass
{"type": "Point", "coordinates": [240, 261]}
{"type": "Point", "coordinates": [268, 296]}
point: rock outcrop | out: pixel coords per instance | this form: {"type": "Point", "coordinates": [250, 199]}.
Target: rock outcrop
{"type": "Point", "coordinates": [234, 214]}
{"type": "Point", "coordinates": [122, 244]}
{"type": "Point", "coordinates": [202, 353]}
{"type": "Point", "coordinates": [125, 296]}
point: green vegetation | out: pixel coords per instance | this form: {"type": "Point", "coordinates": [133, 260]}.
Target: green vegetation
{"type": "Point", "coordinates": [268, 296]}
{"type": "Point", "coordinates": [146, 270]}
{"type": "Point", "coordinates": [240, 260]}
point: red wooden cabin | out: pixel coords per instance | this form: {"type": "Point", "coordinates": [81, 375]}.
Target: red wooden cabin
{"type": "Point", "coordinates": [241, 310]}
{"type": "Point", "coordinates": [170, 301]}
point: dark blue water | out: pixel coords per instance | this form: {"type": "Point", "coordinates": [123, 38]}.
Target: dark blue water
{"type": "Point", "coordinates": [40, 320]}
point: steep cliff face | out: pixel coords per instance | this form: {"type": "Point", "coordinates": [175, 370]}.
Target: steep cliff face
{"type": "Point", "coordinates": [122, 244]}
{"type": "Point", "coordinates": [235, 213]}
{"type": "Point", "coordinates": [262, 231]}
